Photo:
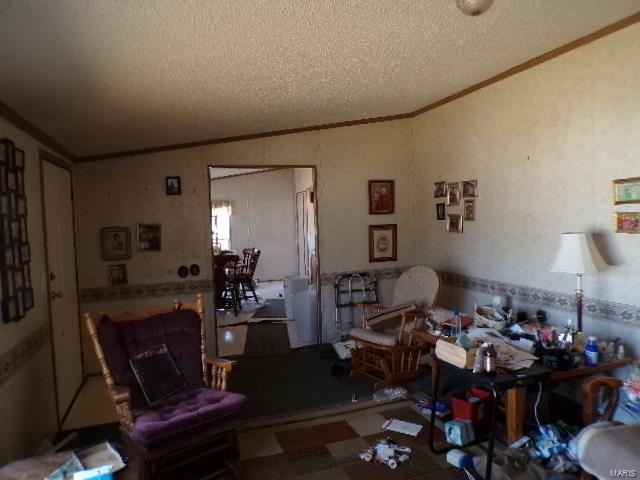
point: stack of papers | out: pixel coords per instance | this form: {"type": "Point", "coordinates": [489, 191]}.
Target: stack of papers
{"type": "Point", "coordinates": [401, 426]}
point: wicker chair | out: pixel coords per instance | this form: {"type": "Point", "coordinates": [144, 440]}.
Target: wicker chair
{"type": "Point", "coordinates": [197, 421]}
{"type": "Point", "coordinates": [385, 348]}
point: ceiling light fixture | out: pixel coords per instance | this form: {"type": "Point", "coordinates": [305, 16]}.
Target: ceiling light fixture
{"type": "Point", "coordinates": [474, 7]}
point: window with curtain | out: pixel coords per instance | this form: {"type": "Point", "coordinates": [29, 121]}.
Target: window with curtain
{"type": "Point", "coordinates": [221, 225]}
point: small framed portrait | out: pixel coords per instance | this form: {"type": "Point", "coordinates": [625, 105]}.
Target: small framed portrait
{"type": "Point", "coordinates": [118, 274]}
{"type": "Point", "coordinates": [454, 223]}
{"type": "Point", "coordinates": [383, 240]}
{"type": "Point", "coordinates": [173, 186]}
{"type": "Point", "coordinates": [381, 196]}
{"type": "Point", "coordinates": [626, 190]}
{"type": "Point", "coordinates": [469, 210]}
{"type": "Point", "coordinates": [470, 189]}
{"type": "Point", "coordinates": [115, 243]}
{"type": "Point", "coordinates": [440, 211]}
{"type": "Point", "coordinates": [149, 236]}
{"type": "Point", "coordinates": [627, 222]}
{"type": "Point", "coordinates": [439, 190]}
{"type": "Point", "coordinates": [453, 193]}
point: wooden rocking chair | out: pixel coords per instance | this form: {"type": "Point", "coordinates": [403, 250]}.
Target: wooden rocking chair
{"type": "Point", "coordinates": [194, 423]}
{"type": "Point", "coordinates": [385, 349]}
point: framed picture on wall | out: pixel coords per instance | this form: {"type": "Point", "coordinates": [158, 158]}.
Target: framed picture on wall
{"type": "Point", "coordinates": [173, 186]}
{"type": "Point", "coordinates": [627, 222]}
{"type": "Point", "coordinates": [383, 243]}
{"type": "Point", "coordinates": [115, 243]}
{"type": "Point", "coordinates": [381, 196]}
{"type": "Point", "coordinates": [149, 237]}
{"type": "Point", "coordinates": [469, 210]}
{"type": "Point", "coordinates": [470, 189]}
{"type": "Point", "coordinates": [453, 193]}
{"type": "Point", "coordinates": [626, 190]}
{"type": "Point", "coordinates": [439, 190]}
{"type": "Point", "coordinates": [454, 223]}
{"type": "Point", "coordinates": [440, 211]}
{"type": "Point", "coordinates": [118, 274]}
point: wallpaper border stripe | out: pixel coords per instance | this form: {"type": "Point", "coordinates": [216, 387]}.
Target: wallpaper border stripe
{"type": "Point", "coordinates": [622, 313]}
{"type": "Point", "coordinates": [13, 359]}
{"type": "Point", "coordinates": [147, 290]}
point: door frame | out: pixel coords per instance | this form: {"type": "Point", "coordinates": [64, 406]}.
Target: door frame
{"type": "Point", "coordinates": [46, 156]}
{"type": "Point", "coordinates": [314, 173]}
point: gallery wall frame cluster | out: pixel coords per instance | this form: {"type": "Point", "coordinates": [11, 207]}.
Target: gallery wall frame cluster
{"type": "Point", "coordinates": [456, 194]}
{"type": "Point", "coordinates": [383, 238]}
{"type": "Point", "coordinates": [116, 244]}
{"type": "Point", "coordinates": [626, 191]}
{"type": "Point", "coordinates": [15, 251]}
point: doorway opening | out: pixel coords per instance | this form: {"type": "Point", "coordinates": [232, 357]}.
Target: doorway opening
{"type": "Point", "coordinates": [264, 239]}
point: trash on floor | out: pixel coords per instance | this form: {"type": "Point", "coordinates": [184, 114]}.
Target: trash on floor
{"type": "Point", "coordinates": [390, 393]}
{"type": "Point", "coordinates": [386, 452]}
{"type": "Point", "coordinates": [401, 426]}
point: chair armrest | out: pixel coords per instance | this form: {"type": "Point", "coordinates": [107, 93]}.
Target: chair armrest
{"type": "Point", "coordinates": [226, 365]}
{"type": "Point", "coordinates": [120, 393]}
{"type": "Point", "coordinates": [218, 371]}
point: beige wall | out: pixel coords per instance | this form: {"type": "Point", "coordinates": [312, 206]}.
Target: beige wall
{"type": "Point", "coordinates": [27, 398]}
{"type": "Point", "coordinates": [263, 206]}
{"type": "Point", "coordinates": [544, 146]}
{"type": "Point", "coordinates": [125, 191]}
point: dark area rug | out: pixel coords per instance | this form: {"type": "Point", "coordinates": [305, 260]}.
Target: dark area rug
{"type": "Point", "coordinates": [300, 381]}
{"type": "Point", "coordinates": [272, 308]}
{"type": "Point", "coordinates": [267, 340]}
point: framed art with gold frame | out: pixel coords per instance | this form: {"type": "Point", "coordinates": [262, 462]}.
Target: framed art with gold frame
{"type": "Point", "coordinates": [454, 223]}
{"type": "Point", "coordinates": [383, 243]}
{"type": "Point", "coordinates": [626, 190]}
{"type": "Point", "coordinates": [469, 189]}
{"type": "Point", "coordinates": [115, 243]}
{"type": "Point", "coordinates": [453, 193]}
{"type": "Point", "coordinates": [469, 210]}
{"type": "Point", "coordinates": [627, 222]}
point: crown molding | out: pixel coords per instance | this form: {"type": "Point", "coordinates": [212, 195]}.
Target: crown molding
{"type": "Point", "coordinates": [20, 122]}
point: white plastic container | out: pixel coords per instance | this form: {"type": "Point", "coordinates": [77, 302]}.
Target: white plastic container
{"type": "Point", "coordinates": [292, 285]}
{"type": "Point", "coordinates": [305, 315]}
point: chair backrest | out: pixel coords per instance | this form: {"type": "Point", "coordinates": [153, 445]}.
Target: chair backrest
{"type": "Point", "coordinates": [596, 390]}
{"type": "Point", "coordinates": [419, 285]}
{"type": "Point", "coordinates": [181, 328]}
{"type": "Point", "coordinates": [253, 262]}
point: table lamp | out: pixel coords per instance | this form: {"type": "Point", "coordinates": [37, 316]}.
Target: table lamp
{"type": "Point", "coordinates": [579, 255]}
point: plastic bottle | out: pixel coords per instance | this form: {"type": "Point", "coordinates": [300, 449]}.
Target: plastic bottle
{"type": "Point", "coordinates": [490, 359]}
{"type": "Point", "coordinates": [456, 324]}
{"type": "Point", "coordinates": [591, 352]}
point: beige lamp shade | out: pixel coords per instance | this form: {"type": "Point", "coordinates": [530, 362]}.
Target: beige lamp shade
{"type": "Point", "coordinates": [577, 254]}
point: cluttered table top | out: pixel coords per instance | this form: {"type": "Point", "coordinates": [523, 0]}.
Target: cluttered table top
{"type": "Point", "coordinates": [566, 352]}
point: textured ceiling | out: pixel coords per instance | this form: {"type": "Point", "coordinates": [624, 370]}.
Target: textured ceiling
{"type": "Point", "coordinates": [109, 75]}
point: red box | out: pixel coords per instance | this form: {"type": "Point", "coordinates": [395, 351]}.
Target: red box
{"type": "Point", "coordinates": [477, 409]}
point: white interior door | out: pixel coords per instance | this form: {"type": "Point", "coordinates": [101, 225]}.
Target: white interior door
{"type": "Point", "coordinates": [63, 299]}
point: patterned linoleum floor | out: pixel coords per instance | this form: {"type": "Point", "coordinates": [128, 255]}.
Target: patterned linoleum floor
{"type": "Point", "coordinates": [328, 448]}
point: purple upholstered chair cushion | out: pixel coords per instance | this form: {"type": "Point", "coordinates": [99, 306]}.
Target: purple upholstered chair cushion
{"type": "Point", "coordinates": [184, 413]}
{"type": "Point", "coordinates": [179, 330]}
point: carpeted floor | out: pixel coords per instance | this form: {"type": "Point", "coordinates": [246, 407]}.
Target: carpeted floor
{"type": "Point", "coordinates": [296, 382]}
{"type": "Point", "coordinates": [266, 340]}
{"type": "Point", "coordinates": [328, 447]}
{"type": "Point", "coordinates": [272, 308]}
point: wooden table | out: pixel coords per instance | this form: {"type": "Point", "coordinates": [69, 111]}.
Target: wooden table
{"type": "Point", "coordinates": [517, 397]}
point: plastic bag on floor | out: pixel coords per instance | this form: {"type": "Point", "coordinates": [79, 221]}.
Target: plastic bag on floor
{"type": "Point", "coordinates": [390, 393]}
